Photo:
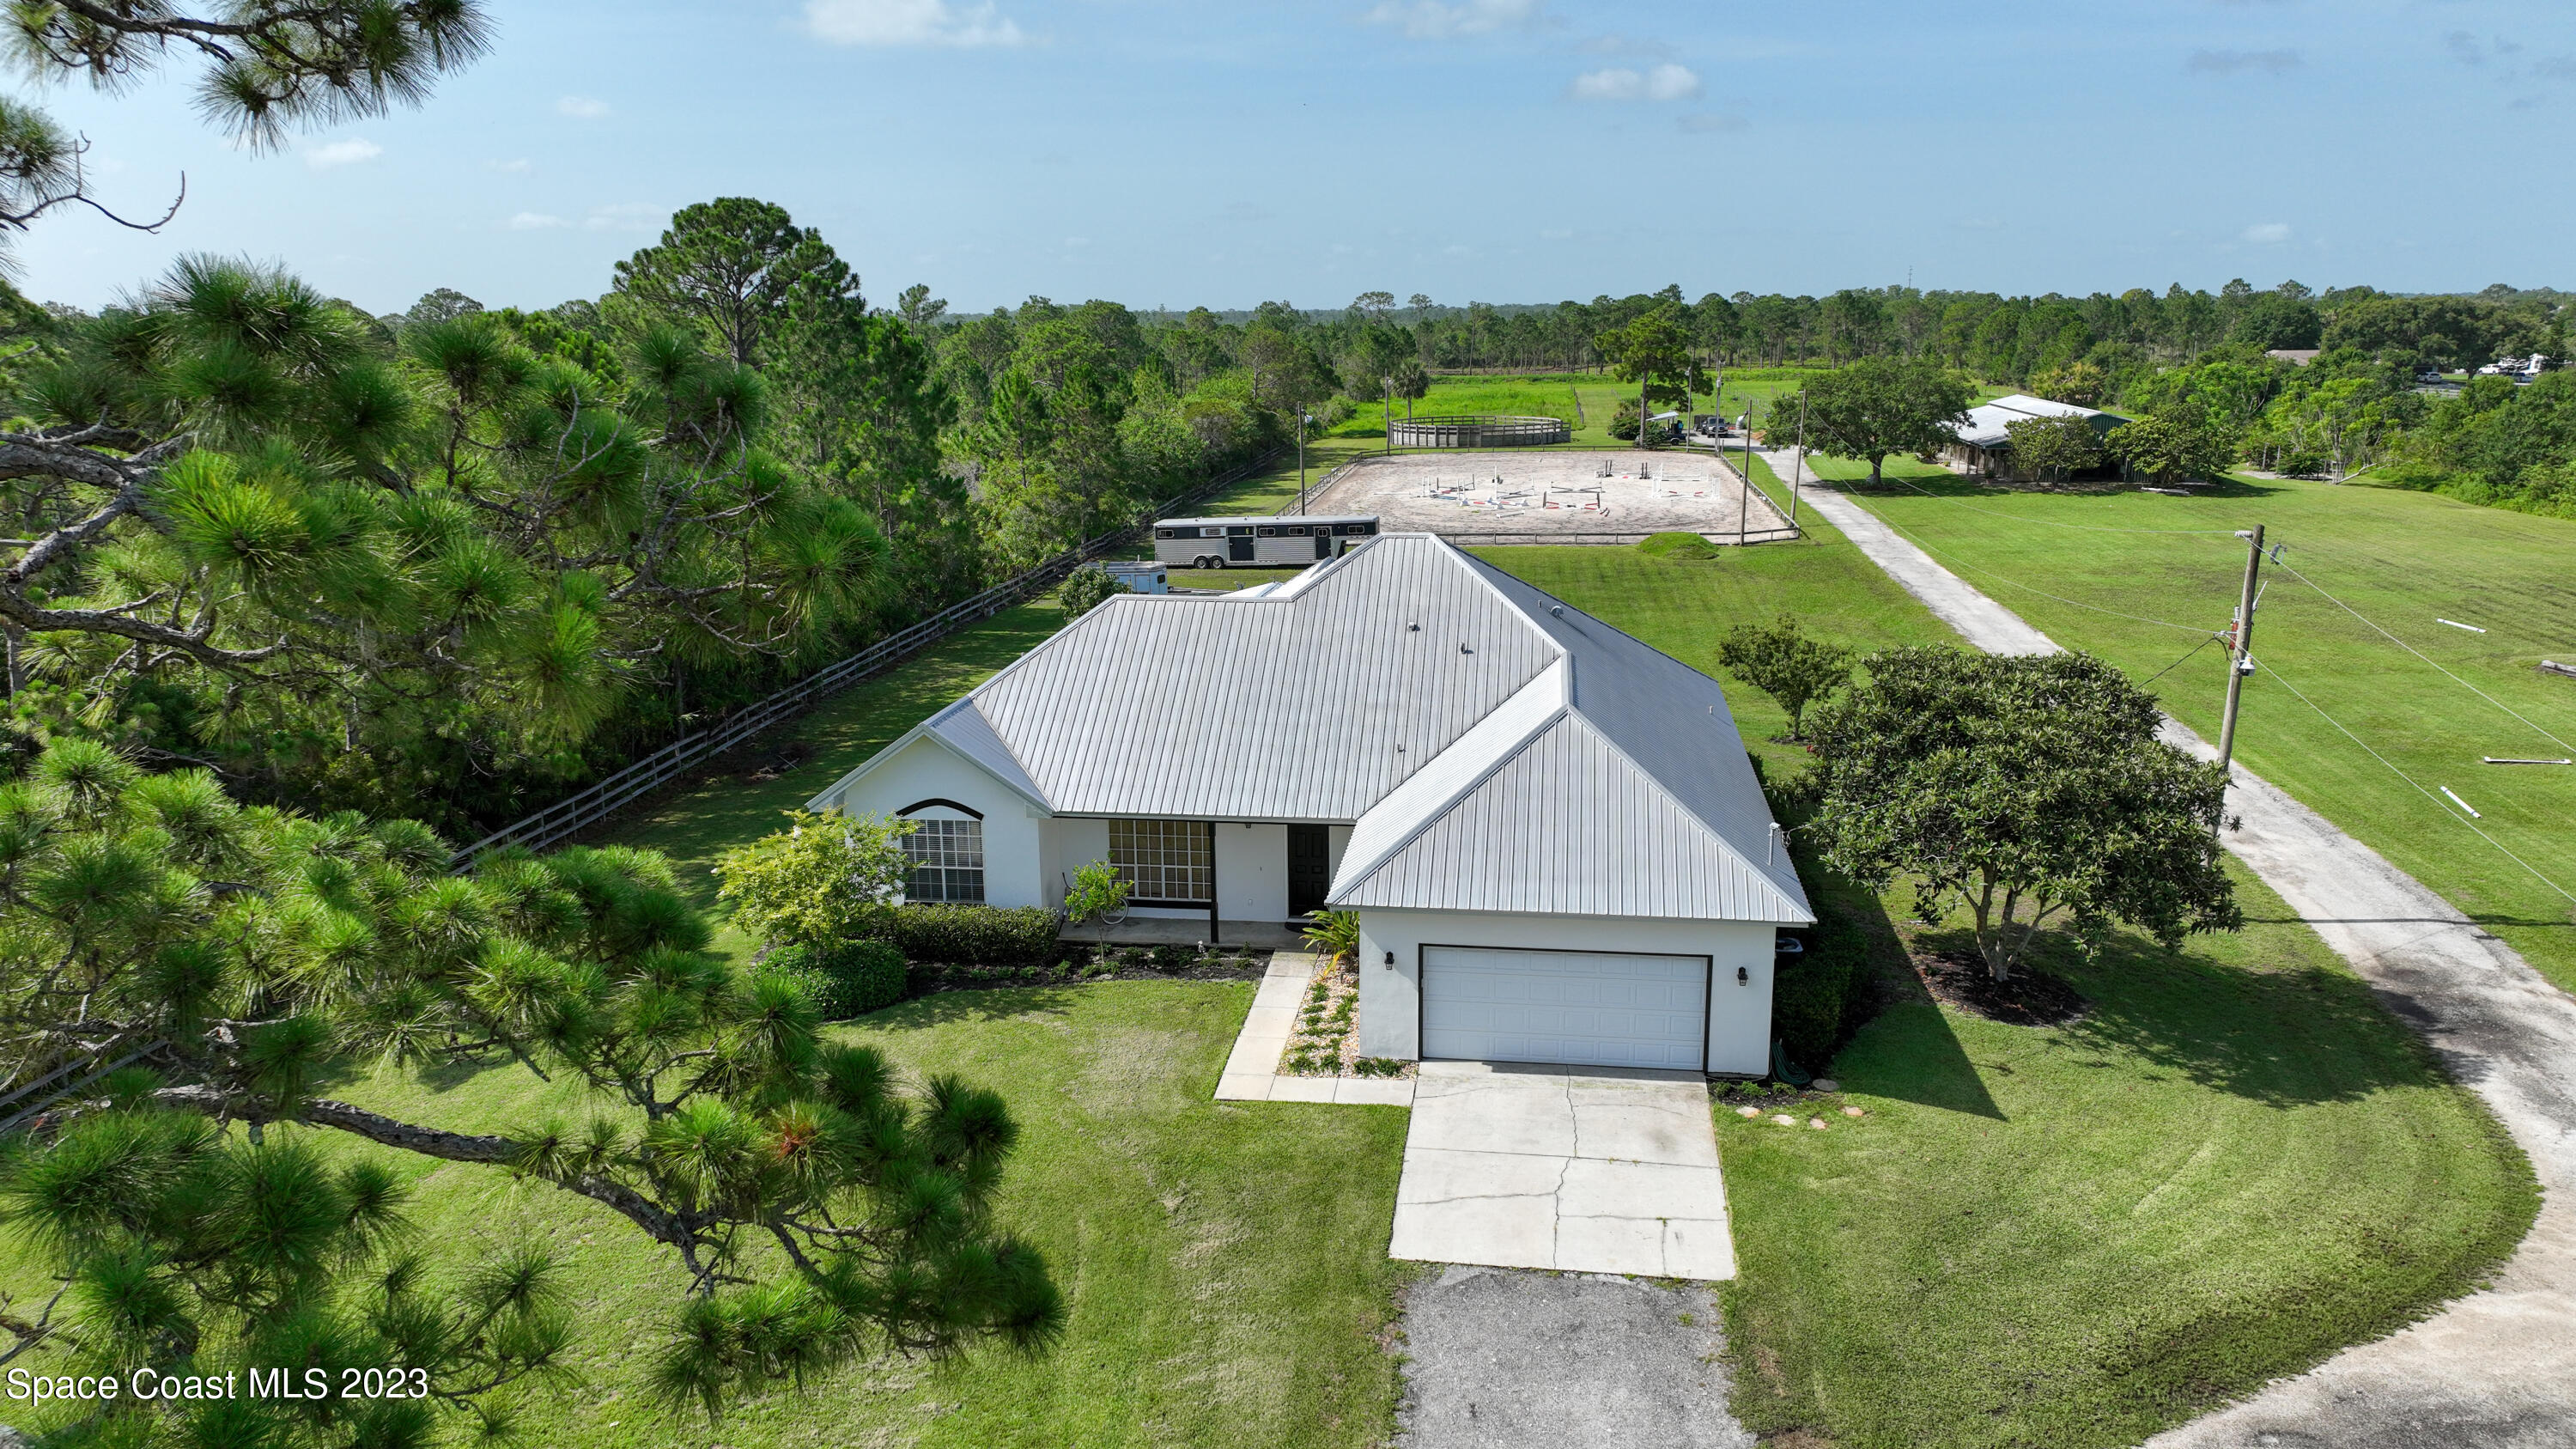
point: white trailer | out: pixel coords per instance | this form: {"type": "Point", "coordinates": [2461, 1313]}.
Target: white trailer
{"type": "Point", "coordinates": [1284, 541]}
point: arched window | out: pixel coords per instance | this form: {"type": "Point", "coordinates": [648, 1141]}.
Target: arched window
{"type": "Point", "coordinates": [947, 850]}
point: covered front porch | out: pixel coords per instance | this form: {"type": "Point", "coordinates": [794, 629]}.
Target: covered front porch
{"type": "Point", "coordinates": [1187, 931]}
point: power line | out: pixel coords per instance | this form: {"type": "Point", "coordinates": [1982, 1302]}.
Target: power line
{"type": "Point", "coordinates": [2025, 588]}
{"type": "Point", "coordinates": [2179, 663]}
{"type": "Point", "coordinates": [2420, 790]}
{"type": "Point", "coordinates": [2418, 653]}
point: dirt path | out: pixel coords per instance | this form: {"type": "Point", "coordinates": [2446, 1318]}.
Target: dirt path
{"type": "Point", "coordinates": [2494, 1369]}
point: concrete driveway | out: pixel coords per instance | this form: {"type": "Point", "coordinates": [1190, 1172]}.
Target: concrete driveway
{"type": "Point", "coordinates": [1581, 1169]}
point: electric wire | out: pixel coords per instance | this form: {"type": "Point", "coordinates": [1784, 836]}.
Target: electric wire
{"type": "Point", "coordinates": [2276, 674]}
{"type": "Point", "coordinates": [2179, 663]}
{"type": "Point", "coordinates": [2296, 693]}
{"type": "Point", "coordinates": [2418, 653]}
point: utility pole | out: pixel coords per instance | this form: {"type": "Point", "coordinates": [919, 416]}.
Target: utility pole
{"type": "Point", "coordinates": [1798, 464]}
{"type": "Point", "coordinates": [1390, 414]}
{"type": "Point", "coordinates": [1303, 418]}
{"type": "Point", "coordinates": [2240, 643]}
{"type": "Point", "coordinates": [1744, 492]}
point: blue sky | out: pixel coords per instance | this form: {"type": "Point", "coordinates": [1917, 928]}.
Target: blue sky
{"type": "Point", "coordinates": [1165, 153]}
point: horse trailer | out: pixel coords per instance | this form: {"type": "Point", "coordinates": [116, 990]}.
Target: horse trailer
{"type": "Point", "coordinates": [1267, 542]}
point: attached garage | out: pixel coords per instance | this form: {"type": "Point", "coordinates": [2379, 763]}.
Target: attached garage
{"type": "Point", "coordinates": [1580, 1008]}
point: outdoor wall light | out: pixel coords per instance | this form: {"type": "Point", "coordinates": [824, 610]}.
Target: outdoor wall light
{"type": "Point", "coordinates": [1390, 960]}
{"type": "Point", "coordinates": [1743, 975]}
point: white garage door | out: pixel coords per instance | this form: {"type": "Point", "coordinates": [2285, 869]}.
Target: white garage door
{"type": "Point", "coordinates": [1584, 1008]}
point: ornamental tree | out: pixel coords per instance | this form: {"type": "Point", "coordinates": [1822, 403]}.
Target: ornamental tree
{"type": "Point", "coordinates": [1878, 406]}
{"type": "Point", "coordinates": [821, 879]}
{"type": "Point", "coordinates": [1785, 664]}
{"type": "Point", "coordinates": [2029, 788]}
{"type": "Point", "coordinates": [815, 1209]}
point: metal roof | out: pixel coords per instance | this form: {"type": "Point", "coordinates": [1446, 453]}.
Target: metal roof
{"type": "Point", "coordinates": [1398, 688]}
{"type": "Point", "coordinates": [1985, 427]}
{"type": "Point", "coordinates": [1569, 825]}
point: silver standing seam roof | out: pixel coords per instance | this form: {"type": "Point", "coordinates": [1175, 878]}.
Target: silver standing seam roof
{"type": "Point", "coordinates": [1492, 748]}
{"type": "Point", "coordinates": [1985, 427]}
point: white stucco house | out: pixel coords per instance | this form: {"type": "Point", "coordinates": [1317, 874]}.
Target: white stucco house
{"type": "Point", "coordinates": [1551, 834]}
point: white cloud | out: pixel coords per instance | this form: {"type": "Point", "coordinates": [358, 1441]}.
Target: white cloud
{"type": "Point", "coordinates": [342, 153]}
{"type": "Point", "coordinates": [519, 165]}
{"type": "Point", "coordinates": [536, 221]}
{"type": "Point", "coordinates": [1618, 83]}
{"type": "Point", "coordinates": [910, 22]}
{"type": "Point", "coordinates": [1433, 20]}
{"type": "Point", "coordinates": [582, 108]}
{"type": "Point", "coordinates": [2268, 233]}
{"type": "Point", "coordinates": [627, 216]}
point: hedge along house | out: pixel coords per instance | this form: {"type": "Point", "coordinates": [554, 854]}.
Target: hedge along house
{"type": "Point", "coordinates": [1551, 833]}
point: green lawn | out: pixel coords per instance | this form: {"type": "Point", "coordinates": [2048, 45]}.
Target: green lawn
{"type": "Point", "coordinates": [693, 825]}
{"type": "Point", "coordinates": [2101, 572]}
{"type": "Point", "coordinates": [1225, 1266]}
{"type": "Point", "coordinates": [2237, 1163]}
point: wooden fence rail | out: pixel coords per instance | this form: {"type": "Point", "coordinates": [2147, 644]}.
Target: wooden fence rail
{"type": "Point", "coordinates": [575, 813]}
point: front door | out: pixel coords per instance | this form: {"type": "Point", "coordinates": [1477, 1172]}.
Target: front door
{"type": "Point", "coordinates": [1324, 542]}
{"type": "Point", "coordinates": [1310, 868]}
{"type": "Point", "coordinates": [1239, 550]}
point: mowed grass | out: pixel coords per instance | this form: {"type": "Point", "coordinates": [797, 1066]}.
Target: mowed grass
{"type": "Point", "coordinates": [1225, 1266]}
{"type": "Point", "coordinates": [2236, 1164]}
{"type": "Point", "coordinates": [2102, 572]}
{"type": "Point", "coordinates": [696, 823]}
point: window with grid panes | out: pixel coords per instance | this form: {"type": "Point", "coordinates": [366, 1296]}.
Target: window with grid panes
{"type": "Point", "coordinates": [1164, 860]}
{"type": "Point", "coordinates": [947, 861]}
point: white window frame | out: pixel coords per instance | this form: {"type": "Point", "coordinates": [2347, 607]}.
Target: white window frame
{"type": "Point", "coordinates": [947, 855]}
{"type": "Point", "coordinates": [1165, 860]}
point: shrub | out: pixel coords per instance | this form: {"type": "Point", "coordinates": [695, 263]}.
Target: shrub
{"type": "Point", "coordinates": [1335, 935]}
{"type": "Point", "coordinates": [824, 878]}
{"type": "Point", "coordinates": [1815, 1000]}
{"type": "Point", "coordinates": [844, 978]}
{"type": "Point", "coordinates": [1677, 545]}
{"type": "Point", "coordinates": [1085, 589]}
{"type": "Point", "coordinates": [986, 935]}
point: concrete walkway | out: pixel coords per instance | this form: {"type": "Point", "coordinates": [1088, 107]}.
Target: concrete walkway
{"type": "Point", "coordinates": [2497, 1368]}
{"type": "Point", "coordinates": [1252, 1069]}
{"type": "Point", "coordinates": [1579, 1169]}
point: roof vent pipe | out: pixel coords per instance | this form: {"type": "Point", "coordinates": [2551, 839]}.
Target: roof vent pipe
{"type": "Point", "coordinates": [1558, 610]}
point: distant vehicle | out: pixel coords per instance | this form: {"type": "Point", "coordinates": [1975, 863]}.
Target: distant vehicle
{"type": "Point", "coordinates": [1274, 542]}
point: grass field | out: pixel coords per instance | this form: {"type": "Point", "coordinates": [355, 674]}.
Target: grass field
{"type": "Point", "coordinates": [1588, 400]}
{"type": "Point", "coordinates": [2237, 1163]}
{"type": "Point", "coordinates": [2142, 579]}
{"type": "Point", "coordinates": [1225, 1266]}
